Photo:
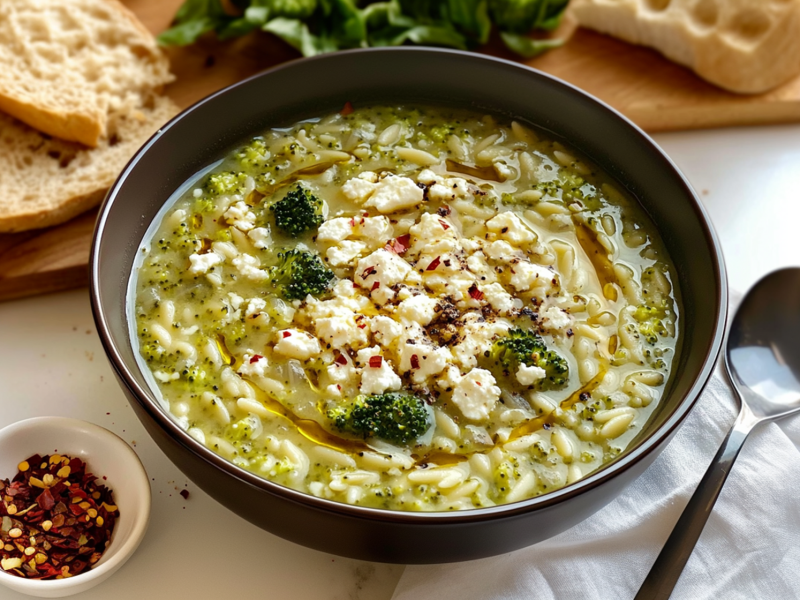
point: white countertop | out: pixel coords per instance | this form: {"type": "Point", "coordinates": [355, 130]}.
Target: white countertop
{"type": "Point", "coordinates": [52, 363]}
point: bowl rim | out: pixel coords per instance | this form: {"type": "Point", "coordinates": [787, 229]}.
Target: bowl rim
{"type": "Point", "coordinates": [127, 545]}
{"type": "Point", "coordinates": [593, 480]}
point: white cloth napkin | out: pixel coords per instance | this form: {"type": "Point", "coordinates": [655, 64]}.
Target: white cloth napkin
{"type": "Point", "coordinates": [750, 548]}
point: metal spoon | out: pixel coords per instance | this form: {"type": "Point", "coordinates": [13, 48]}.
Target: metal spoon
{"type": "Point", "coordinates": [762, 358]}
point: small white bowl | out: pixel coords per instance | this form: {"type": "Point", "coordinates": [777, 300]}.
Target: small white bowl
{"type": "Point", "coordinates": [105, 454]}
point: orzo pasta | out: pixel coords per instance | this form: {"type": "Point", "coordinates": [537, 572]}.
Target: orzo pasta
{"type": "Point", "coordinates": [408, 308]}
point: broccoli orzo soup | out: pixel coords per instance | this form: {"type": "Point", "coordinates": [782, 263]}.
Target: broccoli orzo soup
{"type": "Point", "coordinates": [408, 308]}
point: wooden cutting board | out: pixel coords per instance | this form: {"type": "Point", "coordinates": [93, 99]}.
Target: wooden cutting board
{"type": "Point", "coordinates": [656, 94]}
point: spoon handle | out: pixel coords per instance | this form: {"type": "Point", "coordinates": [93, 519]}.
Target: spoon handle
{"type": "Point", "coordinates": [667, 569]}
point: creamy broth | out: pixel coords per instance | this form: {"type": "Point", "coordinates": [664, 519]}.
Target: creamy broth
{"type": "Point", "coordinates": [504, 291]}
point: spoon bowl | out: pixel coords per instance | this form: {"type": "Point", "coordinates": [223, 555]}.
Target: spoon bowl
{"type": "Point", "coordinates": [762, 358]}
{"type": "Point", "coordinates": [763, 351]}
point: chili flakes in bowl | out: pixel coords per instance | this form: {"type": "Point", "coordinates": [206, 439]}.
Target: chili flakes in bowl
{"type": "Point", "coordinates": [56, 518]}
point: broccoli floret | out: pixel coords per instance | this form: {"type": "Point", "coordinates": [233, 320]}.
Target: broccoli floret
{"type": "Point", "coordinates": [299, 274]}
{"type": "Point", "coordinates": [651, 321]}
{"type": "Point", "coordinates": [528, 348]}
{"type": "Point", "coordinates": [225, 183]}
{"type": "Point", "coordinates": [255, 154]}
{"type": "Point", "coordinates": [566, 186]}
{"type": "Point", "coordinates": [299, 211]}
{"type": "Point", "coordinates": [394, 417]}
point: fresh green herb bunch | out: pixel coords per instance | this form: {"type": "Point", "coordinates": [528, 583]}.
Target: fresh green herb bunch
{"type": "Point", "coordinates": [396, 417]}
{"type": "Point", "coordinates": [298, 212]}
{"type": "Point", "coordinates": [528, 348]}
{"type": "Point", "coordinates": [299, 274]}
{"type": "Point", "coordinates": [227, 182]}
{"type": "Point", "coordinates": [318, 26]}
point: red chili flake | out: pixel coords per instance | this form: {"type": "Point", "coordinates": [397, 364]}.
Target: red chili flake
{"type": "Point", "coordinates": [375, 361]}
{"type": "Point", "coordinates": [45, 500]}
{"type": "Point", "coordinates": [367, 272]}
{"type": "Point", "coordinates": [257, 357]}
{"type": "Point", "coordinates": [478, 383]}
{"type": "Point", "coordinates": [444, 224]}
{"type": "Point", "coordinates": [414, 361]}
{"type": "Point", "coordinates": [57, 518]}
{"type": "Point", "coordinates": [399, 245]}
{"type": "Point", "coordinates": [434, 263]}
{"type": "Point", "coordinates": [185, 494]}
{"type": "Point", "coordinates": [375, 286]}
{"type": "Point", "coordinates": [362, 325]}
{"type": "Point", "coordinates": [475, 293]}
{"type": "Point", "coordinates": [352, 222]}
{"type": "Point", "coordinates": [340, 359]}
{"type": "Point", "coordinates": [346, 109]}
{"type": "Point", "coordinates": [286, 334]}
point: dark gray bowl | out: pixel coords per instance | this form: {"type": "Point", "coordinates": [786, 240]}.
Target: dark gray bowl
{"type": "Point", "coordinates": [322, 85]}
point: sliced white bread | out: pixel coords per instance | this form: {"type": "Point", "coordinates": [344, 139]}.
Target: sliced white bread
{"type": "Point", "coordinates": [69, 66]}
{"type": "Point", "coordinates": [45, 181]}
{"type": "Point", "coordinates": [745, 46]}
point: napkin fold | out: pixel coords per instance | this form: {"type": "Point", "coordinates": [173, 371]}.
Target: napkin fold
{"type": "Point", "coordinates": [750, 547]}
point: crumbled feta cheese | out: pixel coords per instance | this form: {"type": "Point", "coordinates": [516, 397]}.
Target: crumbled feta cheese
{"type": "Point", "coordinates": [376, 378]}
{"type": "Point", "coordinates": [471, 244]}
{"type": "Point", "coordinates": [248, 266]}
{"type": "Point", "coordinates": [260, 237]}
{"type": "Point", "coordinates": [510, 227]}
{"type": "Point", "coordinates": [476, 394]}
{"type": "Point", "coordinates": [448, 189]}
{"type": "Point", "coordinates": [370, 176]}
{"type": "Point", "coordinates": [358, 189]}
{"type": "Point", "coordinates": [394, 193]}
{"type": "Point", "coordinates": [335, 391]}
{"type": "Point", "coordinates": [253, 366]}
{"type": "Point", "coordinates": [426, 176]}
{"type": "Point", "coordinates": [297, 344]}
{"type": "Point", "coordinates": [383, 268]}
{"type": "Point", "coordinates": [342, 328]}
{"type": "Point", "coordinates": [345, 288]}
{"type": "Point", "coordinates": [240, 216]}
{"type": "Point", "coordinates": [385, 329]}
{"type": "Point", "coordinates": [201, 263]}
{"type": "Point", "coordinates": [449, 379]}
{"type": "Point", "coordinates": [421, 358]}
{"type": "Point", "coordinates": [235, 300]}
{"type": "Point", "coordinates": [420, 309]}
{"type": "Point", "coordinates": [502, 250]}
{"type": "Point", "coordinates": [477, 337]}
{"type": "Point", "coordinates": [555, 318]}
{"type": "Point", "coordinates": [318, 309]}
{"type": "Point", "coordinates": [477, 264]}
{"type": "Point", "coordinates": [433, 235]}
{"type": "Point", "coordinates": [497, 297]}
{"type": "Point", "coordinates": [335, 230]}
{"type": "Point", "coordinates": [255, 306]}
{"type": "Point", "coordinates": [529, 375]}
{"type": "Point", "coordinates": [344, 253]}
{"type": "Point", "coordinates": [526, 275]}
{"type": "Point", "coordinates": [377, 229]}
{"type": "Point", "coordinates": [438, 191]}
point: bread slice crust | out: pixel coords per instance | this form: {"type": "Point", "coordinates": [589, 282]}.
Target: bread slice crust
{"type": "Point", "coordinates": [744, 46]}
{"type": "Point", "coordinates": [46, 181]}
{"type": "Point", "coordinates": [70, 66]}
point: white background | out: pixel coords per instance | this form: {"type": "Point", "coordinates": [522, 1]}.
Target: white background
{"type": "Point", "coordinates": [51, 363]}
